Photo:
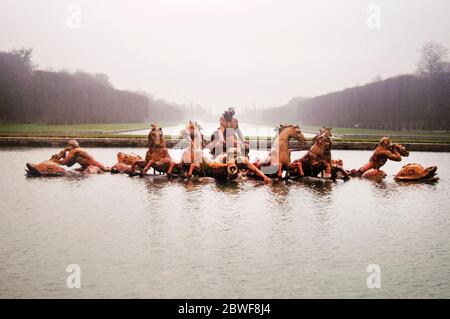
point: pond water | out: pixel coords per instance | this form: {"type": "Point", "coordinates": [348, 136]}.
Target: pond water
{"type": "Point", "coordinates": [158, 238]}
{"type": "Point", "coordinates": [209, 127]}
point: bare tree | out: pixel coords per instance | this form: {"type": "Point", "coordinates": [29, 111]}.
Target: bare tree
{"type": "Point", "coordinates": [433, 59]}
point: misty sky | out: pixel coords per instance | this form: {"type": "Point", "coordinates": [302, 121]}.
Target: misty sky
{"type": "Point", "coordinates": [229, 52]}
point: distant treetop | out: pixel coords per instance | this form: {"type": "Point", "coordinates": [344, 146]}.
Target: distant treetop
{"type": "Point", "coordinates": [433, 59]}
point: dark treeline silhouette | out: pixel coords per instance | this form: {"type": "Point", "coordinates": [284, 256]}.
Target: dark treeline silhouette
{"type": "Point", "coordinates": [271, 115]}
{"type": "Point", "coordinates": [35, 96]}
{"type": "Point", "coordinates": [407, 102]}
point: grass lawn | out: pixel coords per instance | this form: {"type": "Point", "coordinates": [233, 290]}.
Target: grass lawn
{"type": "Point", "coordinates": [363, 131]}
{"type": "Point", "coordinates": [94, 130]}
{"type": "Point", "coordinates": [104, 127]}
{"type": "Point", "coordinates": [113, 130]}
{"type": "Point", "coordinates": [396, 140]}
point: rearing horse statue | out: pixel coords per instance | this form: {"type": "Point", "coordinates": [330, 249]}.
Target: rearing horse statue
{"type": "Point", "coordinates": [331, 166]}
{"type": "Point", "coordinates": [280, 154]}
{"type": "Point", "coordinates": [192, 156]}
{"type": "Point", "coordinates": [157, 156]}
{"type": "Point", "coordinates": [318, 157]}
{"type": "Point", "coordinates": [325, 133]}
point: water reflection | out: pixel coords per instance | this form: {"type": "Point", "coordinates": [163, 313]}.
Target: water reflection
{"type": "Point", "coordinates": [433, 184]}
{"type": "Point", "coordinates": [170, 238]}
{"type": "Point", "coordinates": [229, 186]}
{"type": "Point", "coordinates": [280, 189]}
{"type": "Point", "coordinates": [155, 184]}
{"type": "Point", "coordinates": [318, 187]}
{"type": "Point", "coordinates": [392, 189]}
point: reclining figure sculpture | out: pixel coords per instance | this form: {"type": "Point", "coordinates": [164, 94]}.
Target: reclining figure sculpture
{"type": "Point", "coordinates": [72, 154]}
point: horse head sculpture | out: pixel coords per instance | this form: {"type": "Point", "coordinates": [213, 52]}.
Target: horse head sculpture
{"type": "Point", "coordinates": [323, 132]}
{"type": "Point", "coordinates": [291, 131]}
{"type": "Point", "coordinates": [156, 136]}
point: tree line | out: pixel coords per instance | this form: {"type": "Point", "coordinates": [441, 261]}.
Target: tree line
{"type": "Point", "coordinates": [29, 95]}
{"type": "Point", "coordinates": [419, 101]}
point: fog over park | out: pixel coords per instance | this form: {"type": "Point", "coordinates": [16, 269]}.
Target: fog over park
{"type": "Point", "coordinates": [252, 53]}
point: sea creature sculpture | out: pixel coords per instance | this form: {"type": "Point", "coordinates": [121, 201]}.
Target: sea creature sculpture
{"type": "Point", "coordinates": [229, 166]}
{"type": "Point", "coordinates": [124, 162]}
{"type": "Point", "coordinates": [46, 168]}
{"type": "Point", "coordinates": [414, 172]}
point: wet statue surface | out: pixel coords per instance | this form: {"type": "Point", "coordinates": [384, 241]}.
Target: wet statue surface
{"type": "Point", "coordinates": [230, 156]}
{"type": "Point", "coordinates": [235, 161]}
{"type": "Point", "coordinates": [72, 154]}
{"type": "Point", "coordinates": [416, 172]}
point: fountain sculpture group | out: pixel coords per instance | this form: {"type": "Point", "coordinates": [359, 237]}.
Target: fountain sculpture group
{"type": "Point", "coordinates": [229, 157]}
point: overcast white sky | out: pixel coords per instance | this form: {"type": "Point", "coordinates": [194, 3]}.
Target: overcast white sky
{"type": "Point", "coordinates": [227, 52]}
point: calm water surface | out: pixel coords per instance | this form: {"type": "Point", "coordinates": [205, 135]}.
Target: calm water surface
{"type": "Point", "coordinates": [157, 238]}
